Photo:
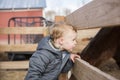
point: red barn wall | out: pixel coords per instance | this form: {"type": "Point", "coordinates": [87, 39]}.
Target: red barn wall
{"type": "Point", "coordinates": [6, 15]}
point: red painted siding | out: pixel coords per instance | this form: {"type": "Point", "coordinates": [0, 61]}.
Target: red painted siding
{"type": "Point", "coordinates": [5, 16]}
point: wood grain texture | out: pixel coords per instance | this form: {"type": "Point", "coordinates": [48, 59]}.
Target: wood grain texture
{"type": "Point", "coordinates": [14, 64]}
{"type": "Point", "coordinates": [84, 71]}
{"type": "Point", "coordinates": [22, 30]}
{"type": "Point", "coordinates": [18, 47]}
{"type": "Point", "coordinates": [98, 13]}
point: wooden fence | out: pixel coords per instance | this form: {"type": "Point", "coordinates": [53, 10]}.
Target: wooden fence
{"type": "Point", "coordinates": [4, 48]}
{"type": "Point", "coordinates": [81, 69]}
{"type": "Point", "coordinates": [96, 14]}
{"type": "Point", "coordinates": [19, 47]}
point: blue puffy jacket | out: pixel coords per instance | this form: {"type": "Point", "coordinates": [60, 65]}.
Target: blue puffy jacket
{"type": "Point", "coordinates": [46, 62]}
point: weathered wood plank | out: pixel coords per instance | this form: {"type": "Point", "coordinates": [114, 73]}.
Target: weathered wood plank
{"type": "Point", "coordinates": [87, 33]}
{"type": "Point", "coordinates": [18, 47]}
{"type": "Point", "coordinates": [14, 64]}
{"type": "Point", "coordinates": [98, 13]}
{"type": "Point", "coordinates": [84, 71]}
{"type": "Point", "coordinates": [22, 30]}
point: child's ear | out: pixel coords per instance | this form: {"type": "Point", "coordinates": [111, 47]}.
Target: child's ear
{"type": "Point", "coordinates": [61, 41]}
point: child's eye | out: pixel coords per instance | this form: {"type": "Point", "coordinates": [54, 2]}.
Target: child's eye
{"type": "Point", "coordinates": [74, 39]}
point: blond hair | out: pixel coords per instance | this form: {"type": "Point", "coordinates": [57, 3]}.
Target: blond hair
{"type": "Point", "coordinates": [58, 29]}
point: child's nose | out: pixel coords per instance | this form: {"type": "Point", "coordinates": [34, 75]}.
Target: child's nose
{"type": "Point", "coordinates": [75, 42]}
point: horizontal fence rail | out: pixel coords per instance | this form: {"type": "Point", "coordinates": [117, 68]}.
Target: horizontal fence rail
{"type": "Point", "coordinates": [97, 13]}
{"type": "Point", "coordinates": [18, 47]}
{"type": "Point", "coordinates": [14, 65]}
{"type": "Point", "coordinates": [84, 71]}
{"type": "Point", "coordinates": [22, 30]}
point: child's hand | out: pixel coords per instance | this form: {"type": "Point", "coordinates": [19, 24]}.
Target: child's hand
{"type": "Point", "coordinates": [73, 56]}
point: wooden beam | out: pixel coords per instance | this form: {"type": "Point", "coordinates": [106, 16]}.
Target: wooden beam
{"type": "Point", "coordinates": [17, 47]}
{"type": "Point", "coordinates": [87, 33]}
{"type": "Point", "coordinates": [84, 71]}
{"type": "Point", "coordinates": [22, 30]}
{"type": "Point", "coordinates": [98, 13]}
{"type": "Point", "coordinates": [14, 64]}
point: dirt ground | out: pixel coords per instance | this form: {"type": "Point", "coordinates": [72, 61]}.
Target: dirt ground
{"type": "Point", "coordinates": [109, 67]}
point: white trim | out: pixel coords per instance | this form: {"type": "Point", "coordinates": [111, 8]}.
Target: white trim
{"type": "Point", "coordinates": [17, 10]}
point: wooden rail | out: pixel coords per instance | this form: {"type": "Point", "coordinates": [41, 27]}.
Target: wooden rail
{"type": "Point", "coordinates": [98, 13]}
{"type": "Point", "coordinates": [84, 71]}
{"type": "Point", "coordinates": [22, 30]}
{"type": "Point", "coordinates": [19, 47]}
{"type": "Point", "coordinates": [14, 65]}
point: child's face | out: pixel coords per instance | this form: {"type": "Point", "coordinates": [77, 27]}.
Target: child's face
{"type": "Point", "coordinates": [69, 40]}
